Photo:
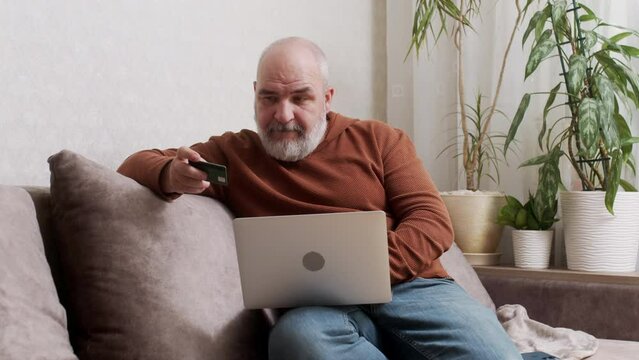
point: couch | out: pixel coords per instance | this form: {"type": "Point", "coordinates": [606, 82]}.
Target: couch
{"type": "Point", "coordinates": [98, 267]}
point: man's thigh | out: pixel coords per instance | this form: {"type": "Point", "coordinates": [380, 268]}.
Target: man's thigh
{"type": "Point", "coordinates": [436, 319]}
{"type": "Point", "coordinates": [319, 332]}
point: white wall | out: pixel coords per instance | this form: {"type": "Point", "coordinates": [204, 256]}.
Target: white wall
{"type": "Point", "coordinates": [107, 78]}
{"type": "Point", "coordinates": [415, 101]}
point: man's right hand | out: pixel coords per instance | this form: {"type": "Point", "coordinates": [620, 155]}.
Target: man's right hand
{"type": "Point", "coordinates": [182, 178]}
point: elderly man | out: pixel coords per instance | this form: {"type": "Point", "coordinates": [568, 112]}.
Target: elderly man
{"type": "Point", "coordinates": [306, 159]}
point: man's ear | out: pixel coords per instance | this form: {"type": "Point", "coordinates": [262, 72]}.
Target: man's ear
{"type": "Point", "coordinates": [254, 85]}
{"type": "Point", "coordinates": [328, 98]}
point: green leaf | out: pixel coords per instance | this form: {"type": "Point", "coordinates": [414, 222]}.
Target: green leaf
{"type": "Point", "coordinates": [617, 74]}
{"type": "Point", "coordinates": [539, 52]}
{"type": "Point", "coordinates": [630, 162]}
{"type": "Point", "coordinates": [559, 20]}
{"type": "Point", "coordinates": [606, 92]}
{"type": "Point", "coordinates": [604, 24]}
{"type": "Point", "coordinates": [521, 219]}
{"type": "Point", "coordinates": [519, 116]}
{"type": "Point", "coordinates": [611, 46]}
{"type": "Point", "coordinates": [631, 140]}
{"type": "Point", "coordinates": [549, 180]}
{"type": "Point", "coordinates": [576, 73]}
{"type": "Point", "coordinates": [588, 127]}
{"type": "Point", "coordinates": [624, 132]}
{"type": "Point", "coordinates": [606, 95]}
{"type": "Point", "coordinates": [532, 223]}
{"type": "Point", "coordinates": [549, 102]}
{"type": "Point", "coordinates": [513, 202]}
{"type": "Point", "coordinates": [633, 80]}
{"type": "Point", "coordinates": [615, 39]}
{"type": "Point", "coordinates": [613, 181]}
{"type": "Point", "coordinates": [585, 18]}
{"type": "Point", "coordinates": [590, 39]}
{"type": "Point", "coordinates": [608, 127]}
{"type": "Point", "coordinates": [587, 10]}
{"type": "Point", "coordinates": [423, 21]}
{"type": "Point", "coordinates": [528, 3]}
{"type": "Point", "coordinates": [539, 16]}
{"type": "Point", "coordinates": [535, 161]}
{"type": "Point", "coordinates": [627, 186]}
{"type": "Point", "coordinates": [542, 23]}
{"type": "Point", "coordinates": [508, 213]}
{"type": "Point", "coordinates": [558, 12]}
{"type": "Point", "coordinates": [632, 51]}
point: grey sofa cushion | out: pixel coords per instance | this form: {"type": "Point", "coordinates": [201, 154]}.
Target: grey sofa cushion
{"type": "Point", "coordinates": [32, 321]}
{"type": "Point", "coordinates": [148, 279]}
{"type": "Point", "coordinates": [456, 265]}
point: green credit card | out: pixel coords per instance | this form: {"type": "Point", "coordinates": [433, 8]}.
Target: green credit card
{"type": "Point", "coordinates": [215, 173]}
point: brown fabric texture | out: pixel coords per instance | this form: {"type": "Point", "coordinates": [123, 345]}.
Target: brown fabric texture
{"type": "Point", "coordinates": [148, 279]}
{"type": "Point", "coordinates": [459, 269]}
{"type": "Point", "coordinates": [32, 321]}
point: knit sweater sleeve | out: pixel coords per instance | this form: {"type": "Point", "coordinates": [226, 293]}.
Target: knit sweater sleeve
{"type": "Point", "coordinates": [146, 167]}
{"type": "Point", "coordinates": [422, 231]}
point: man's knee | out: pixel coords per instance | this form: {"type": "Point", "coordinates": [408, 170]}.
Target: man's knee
{"type": "Point", "coordinates": [484, 337]}
{"type": "Point", "coordinates": [309, 333]}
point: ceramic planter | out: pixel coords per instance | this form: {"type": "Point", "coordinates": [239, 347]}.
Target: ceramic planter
{"type": "Point", "coordinates": [474, 218]}
{"type": "Point", "coordinates": [532, 248]}
{"type": "Point", "coordinates": [595, 239]}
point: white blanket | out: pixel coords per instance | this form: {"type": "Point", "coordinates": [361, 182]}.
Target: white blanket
{"type": "Point", "coordinates": [530, 335]}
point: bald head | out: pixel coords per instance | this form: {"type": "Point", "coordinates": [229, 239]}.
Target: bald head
{"type": "Point", "coordinates": [292, 98]}
{"type": "Point", "coordinates": [292, 49]}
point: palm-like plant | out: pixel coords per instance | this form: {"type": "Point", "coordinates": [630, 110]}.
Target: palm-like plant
{"type": "Point", "coordinates": [489, 153]}
{"type": "Point", "coordinates": [597, 79]}
{"type": "Point", "coordinates": [456, 15]}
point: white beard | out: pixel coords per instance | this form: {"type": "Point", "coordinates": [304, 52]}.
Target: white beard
{"type": "Point", "coordinates": [293, 150]}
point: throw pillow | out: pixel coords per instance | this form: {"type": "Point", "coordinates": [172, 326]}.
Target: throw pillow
{"type": "Point", "coordinates": [148, 279]}
{"type": "Point", "coordinates": [459, 269]}
{"type": "Point", "coordinates": [33, 324]}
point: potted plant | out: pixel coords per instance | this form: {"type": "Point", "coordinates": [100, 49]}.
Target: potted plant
{"type": "Point", "coordinates": [473, 213]}
{"type": "Point", "coordinates": [601, 230]}
{"type": "Point", "coordinates": [532, 235]}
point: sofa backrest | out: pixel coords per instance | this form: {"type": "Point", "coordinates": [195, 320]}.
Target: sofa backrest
{"type": "Point", "coordinates": [33, 323]}
{"type": "Point", "coordinates": [41, 196]}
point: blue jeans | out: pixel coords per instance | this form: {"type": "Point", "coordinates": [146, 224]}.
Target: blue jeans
{"type": "Point", "coordinates": [427, 319]}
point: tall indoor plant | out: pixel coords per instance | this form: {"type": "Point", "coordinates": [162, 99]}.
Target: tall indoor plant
{"type": "Point", "coordinates": [473, 213]}
{"type": "Point", "coordinates": [597, 81]}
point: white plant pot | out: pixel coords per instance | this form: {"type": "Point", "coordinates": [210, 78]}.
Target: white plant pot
{"type": "Point", "coordinates": [595, 239]}
{"type": "Point", "coordinates": [532, 248]}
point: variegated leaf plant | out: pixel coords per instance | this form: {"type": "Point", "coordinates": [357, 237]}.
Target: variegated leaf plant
{"type": "Point", "coordinates": [597, 78]}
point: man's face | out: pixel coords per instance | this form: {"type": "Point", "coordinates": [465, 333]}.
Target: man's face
{"type": "Point", "coordinates": [290, 104]}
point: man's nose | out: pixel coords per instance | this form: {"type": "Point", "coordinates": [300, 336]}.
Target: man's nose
{"type": "Point", "coordinates": [284, 112]}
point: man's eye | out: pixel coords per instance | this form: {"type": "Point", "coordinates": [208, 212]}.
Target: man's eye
{"type": "Point", "coordinates": [299, 99]}
{"type": "Point", "coordinates": [269, 99]}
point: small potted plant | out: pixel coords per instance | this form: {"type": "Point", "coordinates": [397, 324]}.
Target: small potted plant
{"type": "Point", "coordinates": [532, 235]}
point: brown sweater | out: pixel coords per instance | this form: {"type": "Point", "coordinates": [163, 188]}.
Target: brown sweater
{"type": "Point", "coordinates": [360, 165]}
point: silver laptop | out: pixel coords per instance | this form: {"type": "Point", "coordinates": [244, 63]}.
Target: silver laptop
{"type": "Point", "coordinates": [318, 259]}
